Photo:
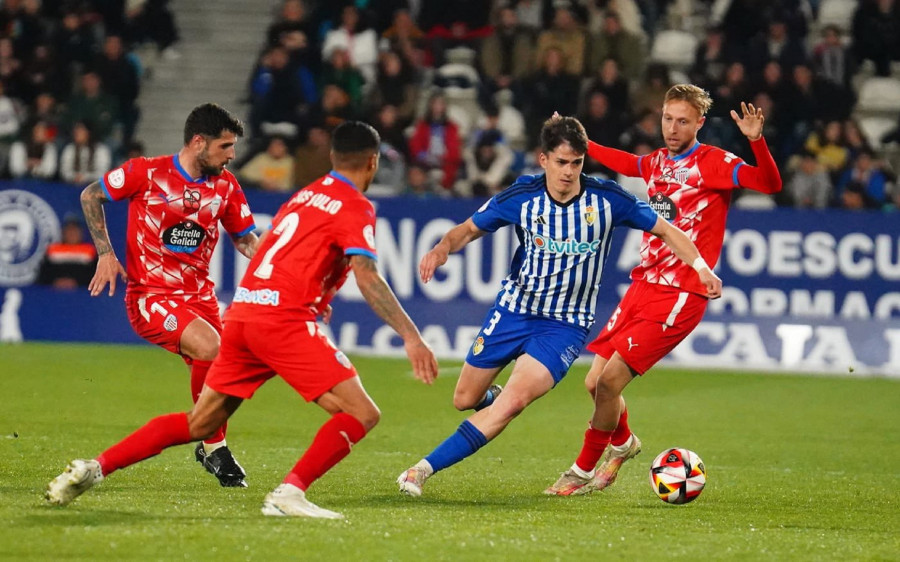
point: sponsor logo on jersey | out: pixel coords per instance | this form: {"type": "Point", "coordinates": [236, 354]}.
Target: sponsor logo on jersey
{"type": "Point", "coordinates": [171, 323]}
{"type": "Point", "coordinates": [478, 346]}
{"type": "Point", "coordinates": [184, 237]}
{"type": "Point", "coordinates": [369, 235]}
{"type": "Point", "coordinates": [28, 224]}
{"type": "Point", "coordinates": [590, 215]}
{"type": "Point", "coordinates": [663, 206]}
{"type": "Point", "coordinates": [542, 220]}
{"type": "Point", "coordinates": [566, 247]}
{"type": "Point", "coordinates": [116, 178]}
{"type": "Point", "coordinates": [266, 297]}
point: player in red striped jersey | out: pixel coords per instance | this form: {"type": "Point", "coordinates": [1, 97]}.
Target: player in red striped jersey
{"type": "Point", "coordinates": [690, 184]}
{"type": "Point", "coordinates": [322, 233]}
{"type": "Point", "coordinates": [175, 206]}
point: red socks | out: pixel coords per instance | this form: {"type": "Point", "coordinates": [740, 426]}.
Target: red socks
{"type": "Point", "coordinates": [331, 444]}
{"type": "Point", "coordinates": [595, 441]}
{"type": "Point", "coordinates": [198, 376]}
{"type": "Point", "coordinates": [148, 441]}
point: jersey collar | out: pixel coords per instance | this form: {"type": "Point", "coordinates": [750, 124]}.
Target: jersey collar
{"type": "Point", "coordinates": [684, 155]}
{"type": "Point", "coordinates": [183, 172]}
{"type": "Point", "coordinates": [343, 178]}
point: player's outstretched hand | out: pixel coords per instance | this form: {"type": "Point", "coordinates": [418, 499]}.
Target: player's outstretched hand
{"type": "Point", "coordinates": [712, 282]}
{"type": "Point", "coordinates": [108, 269]}
{"type": "Point", "coordinates": [430, 262]}
{"type": "Point", "coordinates": [751, 122]}
{"type": "Point", "coordinates": [424, 364]}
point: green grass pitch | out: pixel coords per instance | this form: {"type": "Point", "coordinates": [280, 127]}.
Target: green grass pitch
{"type": "Point", "coordinates": [800, 468]}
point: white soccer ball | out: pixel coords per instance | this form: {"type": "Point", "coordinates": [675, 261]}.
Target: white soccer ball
{"type": "Point", "coordinates": [677, 476]}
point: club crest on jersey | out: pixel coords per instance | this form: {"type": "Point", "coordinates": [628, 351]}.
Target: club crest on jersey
{"type": "Point", "coordinates": [342, 359]}
{"type": "Point", "coordinates": [191, 200]}
{"type": "Point", "coordinates": [183, 237]}
{"type": "Point", "coordinates": [171, 323]}
{"type": "Point", "coordinates": [590, 215]}
{"type": "Point", "coordinates": [663, 206]}
{"type": "Point", "coordinates": [116, 178]}
{"type": "Point", "coordinates": [478, 346]}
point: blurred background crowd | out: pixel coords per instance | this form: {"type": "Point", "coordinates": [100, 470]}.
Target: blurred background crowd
{"type": "Point", "coordinates": [458, 89]}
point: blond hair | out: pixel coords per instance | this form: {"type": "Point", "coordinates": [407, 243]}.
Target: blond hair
{"type": "Point", "coordinates": [694, 95]}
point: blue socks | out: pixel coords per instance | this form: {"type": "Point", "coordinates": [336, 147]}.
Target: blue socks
{"type": "Point", "coordinates": [464, 442]}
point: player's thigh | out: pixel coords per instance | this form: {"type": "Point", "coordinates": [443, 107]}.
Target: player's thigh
{"type": "Point", "coordinates": [498, 342]}
{"type": "Point", "coordinates": [162, 319]}
{"type": "Point", "coordinates": [301, 354]}
{"type": "Point", "coordinates": [349, 396]}
{"type": "Point", "coordinates": [199, 340]}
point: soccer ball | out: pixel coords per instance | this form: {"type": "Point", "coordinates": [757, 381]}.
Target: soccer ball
{"type": "Point", "coordinates": [677, 476]}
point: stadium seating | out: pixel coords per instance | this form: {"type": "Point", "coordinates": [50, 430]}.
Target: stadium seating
{"type": "Point", "coordinates": [836, 12]}
{"type": "Point", "coordinates": [873, 128]}
{"type": "Point", "coordinates": [879, 96]}
{"type": "Point", "coordinates": [674, 48]}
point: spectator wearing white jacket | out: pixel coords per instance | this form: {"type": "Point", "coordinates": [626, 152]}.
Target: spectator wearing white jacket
{"type": "Point", "coordinates": [488, 165]}
{"type": "Point", "coordinates": [361, 44]}
{"type": "Point", "coordinates": [83, 160]}
{"type": "Point", "coordinates": [35, 157]}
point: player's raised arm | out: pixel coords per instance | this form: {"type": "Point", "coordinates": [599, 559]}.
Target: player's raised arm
{"type": "Point", "coordinates": [622, 162]}
{"type": "Point", "coordinates": [687, 252]}
{"type": "Point", "coordinates": [108, 266]}
{"type": "Point", "coordinates": [764, 176]}
{"type": "Point", "coordinates": [454, 241]}
{"type": "Point", "coordinates": [385, 304]}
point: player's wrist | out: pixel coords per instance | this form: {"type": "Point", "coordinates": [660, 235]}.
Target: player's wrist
{"type": "Point", "coordinates": [700, 264]}
{"type": "Point", "coordinates": [757, 138]}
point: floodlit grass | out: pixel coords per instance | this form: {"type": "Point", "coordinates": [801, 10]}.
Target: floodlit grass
{"type": "Point", "coordinates": [800, 468]}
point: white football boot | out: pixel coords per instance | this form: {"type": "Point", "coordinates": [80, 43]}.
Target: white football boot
{"type": "Point", "coordinates": [79, 477]}
{"type": "Point", "coordinates": [290, 501]}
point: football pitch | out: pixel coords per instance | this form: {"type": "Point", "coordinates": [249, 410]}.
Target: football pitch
{"type": "Point", "coordinates": [799, 468]}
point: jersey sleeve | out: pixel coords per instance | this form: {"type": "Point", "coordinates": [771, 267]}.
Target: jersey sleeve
{"type": "Point", "coordinates": [632, 212]}
{"type": "Point", "coordinates": [356, 234]}
{"type": "Point", "coordinates": [127, 180]}
{"type": "Point", "coordinates": [719, 169]}
{"type": "Point", "coordinates": [237, 219]}
{"type": "Point", "coordinates": [494, 214]}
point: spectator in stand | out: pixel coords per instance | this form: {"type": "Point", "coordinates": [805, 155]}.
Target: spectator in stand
{"type": "Point", "coordinates": [405, 38]}
{"type": "Point", "coordinates": [832, 60]}
{"type": "Point", "coordinates": [396, 86]}
{"type": "Point", "coordinates": [390, 128]}
{"type": "Point", "coordinates": [626, 48]}
{"type": "Point", "coordinates": [728, 93]}
{"type": "Point", "coordinates": [26, 26]}
{"type": "Point", "coordinates": [855, 139]}
{"type": "Point", "coordinates": [652, 91]}
{"type": "Point", "coordinates": [74, 41]}
{"type": "Point", "coordinates": [35, 157]}
{"type": "Point", "coordinates": [454, 23]}
{"type": "Point", "coordinates": [43, 73]}
{"type": "Point", "coordinates": [120, 77]}
{"type": "Point", "coordinates": [507, 55]}
{"type": "Point", "coordinates": [602, 127]}
{"type": "Point", "coordinates": [810, 100]}
{"type": "Point", "coordinates": [419, 182]}
{"type": "Point", "coordinates": [297, 33]}
{"type": "Point", "coordinates": [311, 159]}
{"type": "Point", "coordinates": [854, 198]}
{"type": "Point", "coordinates": [392, 166]}
{"type": "Point", "coordinates": [152, 20]}
{"type": "Point", "coordinates": [46, 109]}
{"type": "Point", "coordinates": [644, 131]}
{"type": "Point", "coordinates": [742, 22]}
{"type": "Point", "coordinates": [876, 33]}
{"type": "Point", "coordinates": [84, 159]}
{"type": "Point", "coordinates": [333, 109]}
{"type": "Point", "coordinates": [93, 106]}
{"type": "Point", "coordinates": [280, 92]}
{"type": "Point", "coordinates": [71, 262]}
{"type": "Point", "coordinates": [775, 44]}
{"type": "Point", "coordinates": [827, 143]}
{"type": "Point", "coordinates": [568, 36]}
{"type": "Point", "coordinates": [340, 72]}
{"type": "Point", "coordinates": [867, 171]}
{"type": "Point", "coordinates": [272, 169]}
{"type": "Point", "coordinates": [553, 88]}
{"type": "Point", "coordinates": [710, 59]}
{"type": "Point", "coordinates": [436, 143]}
{"type": "Point", "coordinates": [361, 43]}
{"type": "Point", "coordinates": [809, 186]}
{"type": "Point", "coordinates": [610, 82]}
{"type": "Point", "coordinates": [9, 126]}
{"type": "Point", "coordinates": [510, 121]}
{"type": "Point", "coordinates": [11, 69]}
{"type": "Point", "coordinates": [488, 165]}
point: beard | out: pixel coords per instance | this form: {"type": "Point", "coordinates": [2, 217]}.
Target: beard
{"type": "Point", "coordinates": [207, 168]}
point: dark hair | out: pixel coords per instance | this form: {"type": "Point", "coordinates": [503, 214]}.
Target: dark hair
{"type": "Point", "coordinates": [559, 129]}
{"type": "Point", "coordinates": [210, 120]}
{"type": "Point", "coordinates": [353, 142]}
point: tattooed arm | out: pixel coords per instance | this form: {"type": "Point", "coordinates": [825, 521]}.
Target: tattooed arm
{"type": "Point", "coordinates": [247, 244]}
{"type": "Point", "coordinates": [385, 304]}
{"type": "Point", "coordinates": [108, 266]}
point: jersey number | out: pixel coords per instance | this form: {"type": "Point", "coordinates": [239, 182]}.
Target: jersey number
{"type": "Point", "coordinates": [285, 230]}
{"type": "Point", "coordinates": [492, 324]}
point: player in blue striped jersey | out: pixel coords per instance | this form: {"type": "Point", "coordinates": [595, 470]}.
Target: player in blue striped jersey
{"type": "Point", "coordinates": [545, 308]}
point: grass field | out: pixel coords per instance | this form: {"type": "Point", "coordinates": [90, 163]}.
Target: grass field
{"type": "Point", "coordinates": [800, 468]}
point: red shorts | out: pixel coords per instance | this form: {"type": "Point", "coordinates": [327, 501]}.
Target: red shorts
{"type": "Point", "coordinates": [649, 322]}
{"type": "Point", "coordinates": [297, 351]}
{"type": "Point", "coordinates": [161, 319]}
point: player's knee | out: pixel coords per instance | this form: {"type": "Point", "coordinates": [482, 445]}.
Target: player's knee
{"type": "Point", "coordinates": [207, 351]}
{"type": "Point", "coordinates": [463, 401]}
{"type": "Point", "coordinates": [590, 383]}
{"type": "Point", "coordinates": [604, 390]}
{"type": "Point", "coordinates": [369, 417]}
{"type": "Point", "coordinates": [510, 407]}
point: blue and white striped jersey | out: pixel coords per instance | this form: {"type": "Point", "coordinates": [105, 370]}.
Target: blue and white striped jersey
{"type": "Point", "coordinates": [556, 270]}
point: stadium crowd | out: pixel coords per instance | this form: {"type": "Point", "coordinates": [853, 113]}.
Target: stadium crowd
{"type": "Point", "coordinates": [459, 88]}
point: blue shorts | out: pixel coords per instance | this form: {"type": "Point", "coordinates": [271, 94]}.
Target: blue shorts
{"type": "Point", "coordinates": [506, 335]}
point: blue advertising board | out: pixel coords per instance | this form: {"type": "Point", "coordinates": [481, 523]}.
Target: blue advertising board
{"type": "Point", "coordinates": [811, 291]}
